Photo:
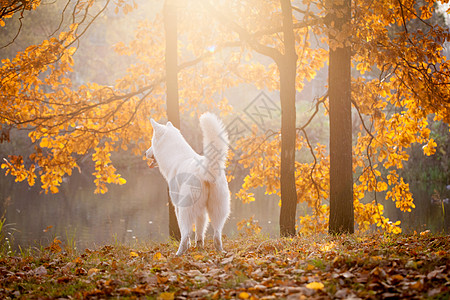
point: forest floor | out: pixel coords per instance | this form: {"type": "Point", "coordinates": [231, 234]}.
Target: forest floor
{"type": "Point", "coordinates": [320, 267]}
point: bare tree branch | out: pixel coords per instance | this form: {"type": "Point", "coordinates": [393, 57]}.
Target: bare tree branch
{"type": "Point", "coordinates": [243, 34]}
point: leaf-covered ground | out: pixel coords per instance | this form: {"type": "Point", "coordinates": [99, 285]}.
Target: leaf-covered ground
{"type": "Point", "coordinates": [352, 267]}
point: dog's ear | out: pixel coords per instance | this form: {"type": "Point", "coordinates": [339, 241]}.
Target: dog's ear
{"type": "Point", "coordinates": [158, 129]}
{"type": "Point", "coordinates": [155, 124]}
{"type": "Point", "coordinates": [169, 124]}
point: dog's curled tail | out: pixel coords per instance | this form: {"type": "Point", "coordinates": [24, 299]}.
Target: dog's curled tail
{"type": "Point", "coordinates": [215, 145]}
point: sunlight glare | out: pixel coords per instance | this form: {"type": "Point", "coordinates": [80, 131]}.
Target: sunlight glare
{"type": "Point", "coordinates": [211, 48]}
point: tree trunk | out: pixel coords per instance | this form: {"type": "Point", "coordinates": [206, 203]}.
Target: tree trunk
{"type": "Point", "coordinates": [287, 66]}
{"type": "Point", "coordinates": [339, 93]}
{"type": "Point", "coordinates": [173, 112]}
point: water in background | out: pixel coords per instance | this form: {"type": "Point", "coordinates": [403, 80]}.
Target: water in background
{"type": "Point", "coordinates": [136, 211]}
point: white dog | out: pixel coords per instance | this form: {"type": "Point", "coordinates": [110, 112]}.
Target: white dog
{"type": "Point", "coordinates": [198, 186]}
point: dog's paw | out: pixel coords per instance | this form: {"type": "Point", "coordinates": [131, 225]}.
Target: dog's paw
{"type": "Point", "coordinates": [184, 245]}
{"type": "Point", "coordinates": [180, 251]}
{"type": "Point", "coordinates": [218, 244]}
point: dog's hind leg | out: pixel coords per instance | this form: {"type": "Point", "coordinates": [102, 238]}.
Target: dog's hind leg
{"type": "Point", "coordinates": [200, 229]}
{"type": "Point", "coordinates": [218, 210]}
{"type": "Point", "coordinates": [185, 223]}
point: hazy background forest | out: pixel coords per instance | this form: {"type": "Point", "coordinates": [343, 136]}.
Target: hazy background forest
{"type": "Point", "coordinates": [137, 210]}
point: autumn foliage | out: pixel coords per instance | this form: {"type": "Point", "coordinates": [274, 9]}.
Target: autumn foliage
{"type": "Point", "coordinates": [400, 85]}
{"type": "Point", "coordinates": [364, 267]}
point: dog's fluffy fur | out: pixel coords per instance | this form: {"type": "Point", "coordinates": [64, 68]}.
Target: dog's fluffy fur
{"type": "Point", "coordinates": [200, 179]}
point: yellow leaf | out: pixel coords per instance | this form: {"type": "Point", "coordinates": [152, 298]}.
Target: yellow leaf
{"type": "Point", "coordinates": [157, 256]}
{"type": "Point", "coordinates": [244, 295]}
{"type": "Point", "coordinates": [198, 256]}
{"type": "Point", "coordinates": [430, 148]}
{"type": "Point", "coordinates": [54, 189]}
{"type": "Point", "coordinates": [62, 36]}
{"type": "Point", "coordinates": [44, 143]}
{"type": "Point", "coordinates": [73, 26]}
{"type": "Point", "coordinates": [166, 296]}
{"type": "Point", "coordinates": [396, 230]}
{"type": "Point", "coordinates": [315, 285]}
{"type": "Point", "coordinates": [133, 254]}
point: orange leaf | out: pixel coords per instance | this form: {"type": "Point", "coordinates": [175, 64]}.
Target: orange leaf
{"type": "Point", "coordinates": [157, 256]}
{"type": "Point", "coordinates": [244, 295]}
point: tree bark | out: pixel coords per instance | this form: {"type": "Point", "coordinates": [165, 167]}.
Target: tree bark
{"type": "Point", "coordinates": [173, 112]}
{"type": "Point", "coordinates": [287, 66]}
{"type": "Point", "coordinates": [339, 83]}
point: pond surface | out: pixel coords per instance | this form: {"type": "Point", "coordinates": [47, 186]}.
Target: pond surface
{"type": "Point", "coordinates": [136, 211]}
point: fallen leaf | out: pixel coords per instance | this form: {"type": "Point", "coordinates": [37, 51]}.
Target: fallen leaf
{"type": "Point", "coordinates": [434, 292]}
{"type": "Point", "coordinates": [92, 271]}
{"type": "Point", "coordinates": [411, 264]}
{"type": "Point", "coordinates": [199, 293]}
{"type": "Point", "coordinates": [63, 279]}
{"type": "Point", "coordinates": [40, 271]}
{"type": "Point", "coordinates": [80, 271]}
{"type": "Point", "coordinates": [148, 278]}
{"type": "Point", "coordinates": [114, 265]}
{"type": "Point", "coordinates": [227, 260]}
{"type": "Point", "coordinates": [138, 290]}
{"type": "Point", "coordinates": [216, 295]}
{"type": "Point", "coordinates": [133, 254]}
{"type": "Point", "coordinates": [166, 296]}
{"type": "Point", "coordinates": [397, 277]}
{"type": "Point", "coordinates": [78, 261]}
{"type": "Point", "coordinates": [198, 256]}
{"type": "Point", "coordinates": [434, 273]}
{"type": "Point", "coordinates": [390, 295]}
{"type": "Point", "coordinates": [193, 273]}
{"type": "Point", "coordinates": [342, 293]}
{"type": "Point", "coordinates": [244, 295]}
{"type": "Point", "coordinates": [379, 272]}
{"type": "Point", "coordinates": [418, 285]}
{"type": "Point", "coordinates": [66, 268]}
{"type": "Point", "coordinates": [124, 291]}
{"type": "Point", "coordinates": [157, 256]}
{"type": "Point", "coordinates": [162, 279]}
{"type": "Point", "coordinates": [260, 287]}
{"type": "Point", "coordinates": [347, 275]}
{"type": "Point", "coordinates": [315, 285]}
{"type": "Point", "coordinates": [92, 293]}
